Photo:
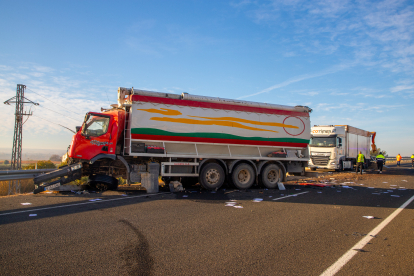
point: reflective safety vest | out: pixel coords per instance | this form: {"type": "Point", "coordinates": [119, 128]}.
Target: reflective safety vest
{"type": "Point", "coordinates": [380, 157]}
{"type": "Point", "coordinates": [361, 158]}
{"type": "Point", "coordinates": [412, 156]}
{"type": "Point", "coordinates": [399, 157]}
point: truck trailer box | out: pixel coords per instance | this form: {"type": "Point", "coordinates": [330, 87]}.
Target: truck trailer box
{"type": "Point", "coordinates": [337, 146]}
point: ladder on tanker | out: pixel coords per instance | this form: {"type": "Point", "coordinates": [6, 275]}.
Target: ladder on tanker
{"type": "Point", "coordinates": [127, 133]}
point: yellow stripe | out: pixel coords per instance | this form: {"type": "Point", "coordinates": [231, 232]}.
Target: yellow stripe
{"type": "Point", "coordinates": [166, 111]}
{"type": "Point", "coordinates": [246, 121]}
{"type": "Point", "coordinates": [209, 123]}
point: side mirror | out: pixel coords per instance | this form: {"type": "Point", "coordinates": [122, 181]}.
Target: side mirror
{"type": "Point", "coordinates": [78, 128]}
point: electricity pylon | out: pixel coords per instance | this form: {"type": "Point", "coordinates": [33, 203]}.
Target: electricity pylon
{"type": "Point", "coordinates": [16, 159]}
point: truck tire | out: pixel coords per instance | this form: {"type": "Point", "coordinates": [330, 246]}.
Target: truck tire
{"type": "Point", "coordinates": [103, 182]}
{"type": "Point", "coordinates": [271, 175]}
{"type": "Point", "coordinates": [212, 176]}
{"type": "Point", "coordinates": [243, 176]}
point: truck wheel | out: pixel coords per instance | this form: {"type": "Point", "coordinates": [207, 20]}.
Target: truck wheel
{"type": "Point", "coordinates": [103, 182]}
{"type": "Point", "coordinates": [243, 176]}
{"type": "Point", "coordinates": [271, 175]}
{"type": "Point", "coordinates": [212, 176]}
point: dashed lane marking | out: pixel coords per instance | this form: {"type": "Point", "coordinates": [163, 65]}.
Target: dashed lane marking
{"type": "Point", "coordinates": [279, 198]}
{"type": "Point", "coordinates": [77, 204]}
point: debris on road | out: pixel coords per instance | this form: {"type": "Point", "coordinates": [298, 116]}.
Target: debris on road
{"type": "Point", "coordinates": [25, 203]}
{"type": "Point", "coordinates": [257, 199]}
{"type": "Point", "coordinates": [32, 215]}
{"type": "Point", "coordinates": [368, 217]}
{"type": "Point", "coordinates": [280, 186]}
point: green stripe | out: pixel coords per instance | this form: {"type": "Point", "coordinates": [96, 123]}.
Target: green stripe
{"type": "Point", "coordinates": [153, 131]}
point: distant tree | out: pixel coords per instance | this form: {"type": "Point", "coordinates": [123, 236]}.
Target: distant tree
{"type": "Point", "coordinates": [6, 162]}
{"type": "Point", "coordinates": [41, 165]}
{"type": "Point", "coordinates": [376, 152]}
{"type": "Point", "coordinates": [55, 157]}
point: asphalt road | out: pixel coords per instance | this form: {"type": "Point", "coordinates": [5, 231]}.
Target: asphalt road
{"type": "Point", "coordinates": [300, 231]}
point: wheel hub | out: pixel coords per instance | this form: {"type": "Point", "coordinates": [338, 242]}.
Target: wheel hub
{"type": "Point", "coordinates": [272, 176]}
{"type": "Point", "coordinates": [243, 176]}
{"type": "Point", "coordinates": [212, 176]}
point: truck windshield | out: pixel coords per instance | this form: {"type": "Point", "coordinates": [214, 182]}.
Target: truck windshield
{"type": "Point", "coordinates": [323, 141]}
{"type": "Point", "coordinates": [95, 125]}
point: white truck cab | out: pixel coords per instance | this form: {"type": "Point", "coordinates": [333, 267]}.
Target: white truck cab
{"type": "Point", "coordinates": [336, 147]}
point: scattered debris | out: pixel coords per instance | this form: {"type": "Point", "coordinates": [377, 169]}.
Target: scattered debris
{"type": "Point", "coordinates": [280, 186]}
{"type": "Point", "coordinates": [314, 184]}
{"type": "Point", "coordinates": [176, 186]}
{"type": "Point", "coordinates": [95, 199]}
{"type": "Point", "coordinates": [257, 199]}
{"type": "Point", "coordinates": [25, 203]}
{"type": "Point", "coordinates": [368, 217]}
{"type": "Point", "coordinates": [185, 195]}
{"type": "Point", "coordinates": [32, 215]}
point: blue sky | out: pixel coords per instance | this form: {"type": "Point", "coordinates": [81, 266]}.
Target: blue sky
{"type": "Point", "coordinates": [352, 62]}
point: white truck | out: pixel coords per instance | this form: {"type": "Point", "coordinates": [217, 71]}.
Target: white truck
{"type": "Point", "coordinates": [336, 147]}
{"type": "Point", "coordinates": [188, 138]}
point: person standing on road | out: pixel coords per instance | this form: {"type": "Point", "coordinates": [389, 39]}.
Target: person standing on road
{"type": "Point", "coordinates": [412, 160]}
{"type": "Point", "coordinates": [398, 160]}
{"type": "Point", "coordinates": [360, 161]}
{"type": "Point", "coordinates": [380, 162]}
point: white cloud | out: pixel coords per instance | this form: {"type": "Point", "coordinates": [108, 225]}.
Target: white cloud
{"type": "Point", "coordinates": [311, 93]}
{"type": "Point", "coordinates": [379, 33]}
{"type": "Point", "coordinates": [399, 88]}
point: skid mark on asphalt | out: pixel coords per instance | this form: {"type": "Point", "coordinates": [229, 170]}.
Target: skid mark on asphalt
{"type": "Point", "coordinates": [333, 269]}
{"type": "Point", "coordinates": [136, 255]}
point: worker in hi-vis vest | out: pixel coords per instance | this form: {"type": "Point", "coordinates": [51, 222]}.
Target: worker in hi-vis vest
{"type": "Point", "coordinates": [360, 161]}
{"type": "Point", "coordinates": [412, 160]}
{"type": "Point", "coordinates": [398, 160]}
{"type": "Point", "coordinates": [380, 162]}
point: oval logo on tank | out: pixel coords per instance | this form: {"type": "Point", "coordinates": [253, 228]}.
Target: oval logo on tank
{"type": "Point", "coordinates": [296, 121]}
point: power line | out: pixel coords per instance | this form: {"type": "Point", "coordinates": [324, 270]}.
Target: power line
{"type": "Point", "coordinates": [58, 113]}
{"type": "Point", "coordinates": [54, 123]}
{"type": "Point", "coordinates": [57, 103]}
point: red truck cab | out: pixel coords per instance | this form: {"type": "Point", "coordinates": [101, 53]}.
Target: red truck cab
{"type": "Point", "coordinates": [101, 133]}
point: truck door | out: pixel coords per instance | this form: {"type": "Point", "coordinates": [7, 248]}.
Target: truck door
{"type": "Point", "coordinates": [95, 136]}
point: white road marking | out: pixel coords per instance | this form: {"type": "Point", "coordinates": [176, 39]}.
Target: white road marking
{"type": "Point", "coordinates": [290, 196]}
{"type": "Point", "coordinates": [77, 204]}
{"type": "Point", "coordinates": [333, 269]}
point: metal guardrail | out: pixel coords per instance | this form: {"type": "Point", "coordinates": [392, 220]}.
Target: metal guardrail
{"type": "Point", "coordinates": [22, 174]}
